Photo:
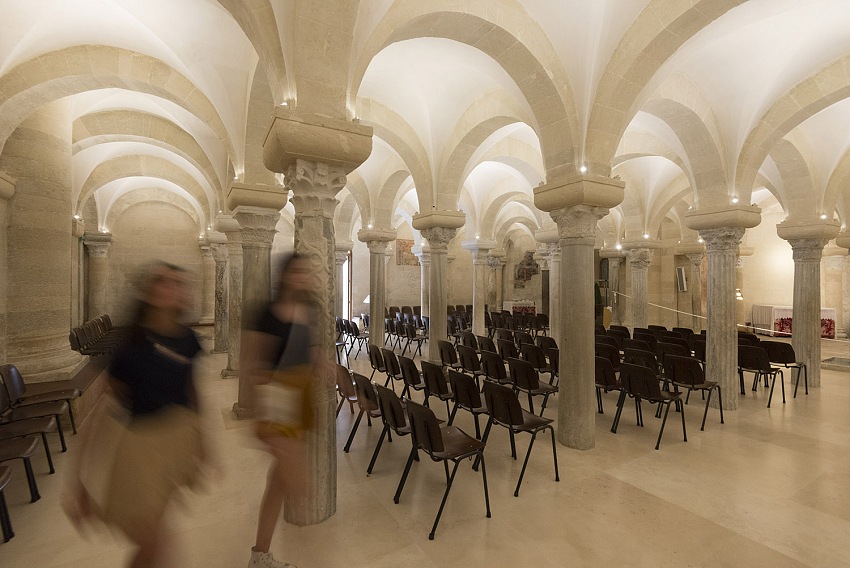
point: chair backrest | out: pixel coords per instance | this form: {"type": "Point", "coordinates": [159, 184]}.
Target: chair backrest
{"type": "Point", "coordinates": [410, 330]}
{"type": "Point", "coordinates": [656, 330]}
{"type": "Point", "coordinates": [507, 349]}
{"type": "Point", "coordinates": [435, 379]}
{"type": "Point", "coordinates": [366, 397]}
{"type": "Point", "coordinates": [355, 330]}
{"type": "Point", "coordinates": [5, 403]}
{"type": "Point", "coordinates": [640, 382]}
{"type": "Point", "coordinates": [646, 336]}
{"type": "Point", "coordinates": [599, 329]}
{"type": "Point", "coordinates": [534, 355]}
{"type": "Point", "coordinates": [543, 320]}
{"type": "Point", "coordinates": [642, 358]}
{"type": "Point", "coordinates": [663, 349]}
{"type": "Point", "coordinates": [607, 340]}
{"type": "Point", "coordinates": [619, 335]}
{"type": "Point", "coordinates": [636, 344]}
{"type": "Point", "coordinates": [523, 337]}
{"type": "Point", "coordinates": [683, 370]}
{"type": "Point", "coordinates": [684, 331]}
{"type": "Point", "coordinates": [468, 358]}
{"type": "Point", "coordinates": [14, 382]}
{"type": "Point", "coordinates": [407, 310]}
{"type": "Point", "coordinates": [506, 334]}
{"type": "Point", "coordinates": [493, 366]}
{"type": "Point", "coordinates": [467, 339]}
{"type": "Point", "coordinates": [619, 329]}
{"type": "Point", "coordinates": [752, 358]}
{"type": "Point", "coordinates": [344, 382]}
{"type": "Point", "coordinates": [779, 352]}
{"type": "Point", "coordinates": [497, 320]}
{"type": "Point", "coordinates": [545, 342]}
{"type": "Point", "coordinates": [752, 338]}
{"type": "Point", "coordinates": [375, 358]}
{"type": "Point", "coordinates": [425, 428]}
{"type": "Point", "coordinates": [609, 353]}
{"type": "Point", "coordinates": [391, 362]}
{"type": "Point", "coordinates": [605, 375]}
{"type": "Point", "coordinates": [486, 344]}
{"type": "Point", "coordinates": [409, 373]}
{"type": "Point", "coordinates": [698, 347]}
{"type": "Point", "coordinates": [502, 404]}
{"type": "Point", "coordinates": [448, 355]}
{"type": "Point", "coordinates": [554, 355]}
{"type": "Point", "coordinates": [391, 409]}
{"type": "Point", "coordinates": [523, 374]}
{"type": "Point", "coordinates": [465, 390]}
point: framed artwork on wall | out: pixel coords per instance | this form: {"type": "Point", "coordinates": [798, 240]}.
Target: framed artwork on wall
{"type": "Point", "coordinates": [403, 255]}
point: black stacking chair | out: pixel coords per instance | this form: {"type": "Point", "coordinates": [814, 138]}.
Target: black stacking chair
{"type": "Point", "coordinates": [609, 353]}
{"type": "Point", "coordinates": [411, 377]}
{"type": "Point", "coordinates": [345, 388]}
{"type": "Point", "coordinates": [436, 384]}
{"type": "Point", "coordinates": [376, 360]}
{"type": "Point", "coordinates": [394, 418]}
{"type": "Point", "coordinates": [545, 342]}
{"type": "Point", "coordinates": [467, 339]}
{"type": "Point", "coordinates": [393, 369]}
{"type": "Point", "coordinates": [608, 340]}
{"type": "Point", "coordinates": [606, 380]}
{"type": "Point", "coordinates": [5, 519]}
{"type": "Point", "coordinates": [782, 355]}
{"type": "Point", "coordinates": [448, 355]}
{"type": "Point", "coordinates": [507, 349]}
{"type": "Point", "coordinates": [754, 360]}
{"type": "Point", "coordinates": [686, 372]}
{"type": "Point", "coordinates": [505, 410]}
{"type": "Point", "coordinates": [537, 357]}
{"type": "Point", "coordinates": [493, 368]}
{"type": "Point", "coordinates": [469, 361]}
{"type": "Point", "coordinates": [19, 399]}
{"type": "Point", "coordinates": [637, 344]}
{"type": "Point", "coordinates": [441, 443]}
{"type": "Point", "coordinates": [411, 337]}
{"type": "Point", "coordinates": [486, 344]}
{"type": "Point", "coordinates": [467, 397]}
{"type": "Point", "coordinates": [641, 383]}
{"type": "Point", "coordinates": [526, 379]}
{"type": "Point", "coordinates": [367, 400]}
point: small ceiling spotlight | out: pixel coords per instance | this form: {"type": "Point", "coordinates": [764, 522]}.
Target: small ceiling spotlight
{"type": "Point", "coordinates": [369, 225]}
{"type": "Point", "coordinates": [618, 246]}
{"type": "Point", "coordinates": [700, 241]}
{"type": "Point", "coordinates": [583, 169]}
{"type": "Point", "coordinates": [477, 236]}
{"type": "Point", "coordinates": [823, 216]}
{"type": "Point", "coordinates": [77, 217]}
{"type": "Point", "coordinates": [284, 104]}
{"type": "Point", "coordinates": [734, 201]}
{"type": "Point", "coordinates": [646, 235]}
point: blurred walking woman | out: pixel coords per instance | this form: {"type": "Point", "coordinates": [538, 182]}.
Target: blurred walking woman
{"type": "Point", "coordinates": [160, 449]}
{"type": "Point", "coordinates": [281, 350]}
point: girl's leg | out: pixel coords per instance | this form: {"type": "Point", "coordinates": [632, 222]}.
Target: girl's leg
{"type": "Point", "coordinates": [153, 548]}
{"type": "Point", "coordinates": [270, 507]}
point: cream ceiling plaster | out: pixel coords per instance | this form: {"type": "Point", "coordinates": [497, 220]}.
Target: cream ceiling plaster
{"type": "Point", "coordinates": [113, 201]}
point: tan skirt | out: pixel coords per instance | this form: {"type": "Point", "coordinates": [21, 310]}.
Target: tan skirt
{"type": "Point", "coordinates": [155, 456]}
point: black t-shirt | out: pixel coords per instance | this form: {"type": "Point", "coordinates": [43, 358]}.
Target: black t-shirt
{"type": "Point", "coordinates": [268, 322]}
{"type": "Point", "coordinates": [157, 370]}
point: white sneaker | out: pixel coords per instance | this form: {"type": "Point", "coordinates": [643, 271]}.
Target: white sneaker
{"type": "Point", "coordinates": [266, 560]}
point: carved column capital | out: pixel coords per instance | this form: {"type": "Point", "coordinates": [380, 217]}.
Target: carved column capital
{"type": "Point", "coordinates": [578, 222]}
{"type": "Point", "coordinates": [97, 244]}
{"type": "Point", "coordinates": [696, 258]}
{"type": "Point", "coordinates": [614, 261]}
{"type": "Point", "coordinates": [640, 258]}
{"type": "Point", "coordinates": [257, 225]}
{"type": "Point", "coordinates": [807, 250]}
{"type": "Point", "coordinates": [722, 239]}
{"type": "Point", "coordinates": [314, 186]}
{"type": "Point", "coordinates": [219, 252]}
{"type": "Point", "coordinates": [439, 237]}
{"type": "Point", "coordinates": [377, 247]}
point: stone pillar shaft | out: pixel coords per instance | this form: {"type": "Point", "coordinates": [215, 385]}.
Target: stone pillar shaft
{"type": "Point", "coordinates": [617, 301]}
{"type": "Point", "coordinates": [377, 290]}
{"type": "Point", "coordinates": [500, 284]}
{"type": "Point", "coordinates": [339, 261]}
{"type": "Point", "coordinates": [639, 260]}
{"type": "Point", "coordinates": [438, 241]}
{"type": "Point", "coordinates": [696, 290]}
{"type": "Point", "coordinates": [722, 337]}
{"type": "Point", "coordinates": [230, 227]}
{"type": "Point", "coordinates": [479, 290]}
{"type": "Point", "coordinates": [425, 282]}
{"type": "Point", "coordinates": [576, 399]}
{"type": "Point", "coordinates": [807, 303]}
{"type": "Point", "coordinates": [97, 245]}
{"type": "Point", "coordinates": [207, 285]}
{"type": "Point", "coordinates": [555, 291]}
{"type": "Point", "coordinates": [219, 251]}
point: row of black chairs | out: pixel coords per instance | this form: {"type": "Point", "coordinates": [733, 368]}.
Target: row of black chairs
{"type": "Point", "coordinates": [397, 332]}
{"type": "Point", "coordinates": [24, 421]}
{"type": "Point", "coordinates": [348, 335]}
{"type": "Point", "coordinates": [96, 337]}
{"type": "Point", "coordinates": [403, 416]}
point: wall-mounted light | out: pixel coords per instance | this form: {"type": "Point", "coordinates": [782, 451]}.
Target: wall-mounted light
{"type": "Point", "coordinates": [618, 246]}
{"type": "Point", "coordinates": [369, 226]}
{"type": "Point", "coordinates": [734, 201]}
{"type": "Point", "coordinates": [699, 240]}
{"type": "Point", "coordinates": [77, 217]}
{"type": "Point", "coordinates": [583, 169]}
{"type": "Point", "coordinates": [477, 237]}
{"type": "Point", "coordinates": [646, 235]}
{"type": "Point", "coordinates": [823, 216]}
{"type": "Point", "coordinates": [284, 104]}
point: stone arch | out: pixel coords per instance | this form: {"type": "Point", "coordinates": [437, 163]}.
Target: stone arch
{"type": "Point", "coordinates": [660, 30]}
{"type": "Point", "coordinates": [514, 41]}
{"type": "Point", "coordinates": [345, 216]}
{"type": "Point", "coordinates": [139, 165]}
{"type": "Point", "coordinates": [517, 155]}
{"type": "Point", "coordinates": [163, 194]}
{"type": "Point", "coordinates": [704, 161]}
{"type": "Point", "coordinates": [360, 193]}
{"type": "Point", "coordinates": [838, 184]}
{"type": "Point", "coordinates": [126, 124]}
{"type": "Point", "coordinates": [797, 186]}
{"type": "Point", "coordinates": [504, 228]}
{"type": "Point", "coordinates": [673, 194]}
{"type": "Point", "coordinates": [77, 69]}
{"type": "Point", "coordinates": [389, 196]}
{"type": "Point", "coordinates": [488, 219]}
{"type": "Point", "coordinates": [826, 87]}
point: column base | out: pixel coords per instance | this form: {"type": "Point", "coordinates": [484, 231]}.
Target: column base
{"type": "Point", "coordinates": [242, 413]}
{"type": "Point", "coordinates": [206, 321]}
{"type": "Point", "coordinates": [229, 374]}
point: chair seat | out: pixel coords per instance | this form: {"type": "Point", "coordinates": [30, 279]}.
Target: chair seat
{"type": "Point", "coordinates": [544, 388]}
{"type": "Point", "coordinates": [5, 476]}
{"type": "Point", "coordinates": [702, 386]}
{"type": "Point", "coordinates": [18, 448]}
{"type": "Point", "coordinates": [36, 410]}
{"type": "Point", "coordinates": [51, 396]}
{"type": "Point", "coordinates": [665, 397]}
{"type": "Point", "coordinates": [457, 443]}
{"type": "Point", "coordinates": [27, 427]}
{"type": "Point", "coordinates": [607, 388]}
{"type": "Point", "coordinates": [531, 422]}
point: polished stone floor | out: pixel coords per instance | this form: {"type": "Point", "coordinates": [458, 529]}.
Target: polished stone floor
{"type": "Point", "coordinates": [771, 487]}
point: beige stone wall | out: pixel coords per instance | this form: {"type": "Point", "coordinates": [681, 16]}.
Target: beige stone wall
{"type": "Point", "coordinates": [514, 253]}
{"type": "Point", "coordinates": [360, 278]}
{"type": "Point", "coordinates": [403, 281]}
{"type": "Point", "coordinates": [769, 272]}
{"type": "Point", "coordinates": [142, 234]}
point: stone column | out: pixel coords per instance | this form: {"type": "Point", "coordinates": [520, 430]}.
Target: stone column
{"type": "Point", "coordinates": [696, 289]}
{"type": "Point", "coordinates": [639, 260]}
{"type": "Point", "coordinates": [228, 225]}
{"type": "Point", "coordinates": [377, 240]}
{"type": "Point", "coordinates": [722, 336]}
{"type": "Point", "coordinates": [219, 252]}
{"type": "Point", "coordinates": [617, 302]}
{"type": "Point", "coordinates": [343, 248]}
{"type": "Point", "coordinates": [555, 291]}
{"type": "Point", "coordinates": [315, 153]}
{"type": "Point", "coordinates": [576, 204]}
{"type": "Point", "coordinates": [498, 277]}
{"type": "Point", "coordinates": [7, 190]}
{"type": "Point", "coordinates": [208, 284]}
{"type": "Point", "coordinates": [479, 250]}
{"type": "Point", "coordinates": [40, 247]}
{"type": "Point", "coordinates": [257, 226]}
{"type": "Point", "coordinates": [97, 245]}
{"type": "Point", "coordinates": [423, 253]}
{"type": "Point", "coordinates": [439, 228]}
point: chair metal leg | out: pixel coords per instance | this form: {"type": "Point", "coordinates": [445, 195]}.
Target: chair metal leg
{"type": "Point", "coordinates": [484, 479]}
{"type": "Point", "coordinates": [741, 379]}
{"type": "Point", "coordinates": [720, 403]}
{"type": "Point", "coordinates": [543, 405]}
{"type": "Point", "coordinates": [72, 418]}
{"type": "Point", "coordinates": [339, 406]}
{"type": "Point", "coordinates": [61, 434]}
{"type": "Point", "coordinates": [6, 521]}
{"type": "Point", "coordinates": [705, 414]}
{"type": "Point", "coordinates": [484, 440]}
{"type": "Point", "coordinates": [34, 495]}
{"type": "Point", "coordinates": [443, 503]}
{"type": "Point", "coordinates": [684, 431]}
{"type": "Point", "coordinates": [773, 384]}
{"type": "Point", "coordinates": [47, 452]}
{"type": "Point", "coordinates": [620, 402]}
{"type": "Point", "coordinates": [453, 413]}
{"type": "Point", "coordinates": [377, 450]}
{"type": "Point", "coordinates": [663, 422]}
{"type": "Point", "coordinates": [524, 464]}
{"type": "Point", "coordinates": [353, 431]}
{"type": "Point", "coordinates": [404, 475]}
{"type": "Point", "coordinates": [555, 454]}
{"type": "Point", "coordinates": [513, 443]}
{"type": "Point", "coordinates": [599, 400]}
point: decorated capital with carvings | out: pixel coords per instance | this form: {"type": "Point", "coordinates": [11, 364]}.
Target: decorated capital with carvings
{"type": "Point", "coordinates": [614, 261]}
{"type": "Point", "coordinates": [439, 237]}
{"type": "Point", "coordinates": [696, 258]}
{"type": "Point", "coordinates": [314, 187]}
{"type": "Point", "coordinates": [722, 240]}
{"type": "Point", "coordinates": [807, 250]}
{"type": "Point", "coordinates": [97, 244]}
{"type": "Point", "coordinates": [578, 222]}
{"type": "Point", "coordinates": [640, 258]}
{"type": "Point", "coordinates": [377, 247]}
{"type": "Point", "coordinates": [258, 226]}
{"type": "Point", "coordinates": [494, 263]}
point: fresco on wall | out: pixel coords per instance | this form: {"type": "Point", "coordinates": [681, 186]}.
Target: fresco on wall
{"type": "Point", "coordinates": [403, 255]}
{"type": "Point", "coordinates": [525, 269]}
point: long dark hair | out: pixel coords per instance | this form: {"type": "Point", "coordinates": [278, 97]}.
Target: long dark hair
{"type": "Point", "coordinates": [281, 290]}
{"type": "Point", "coordinates": [151, 276]}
